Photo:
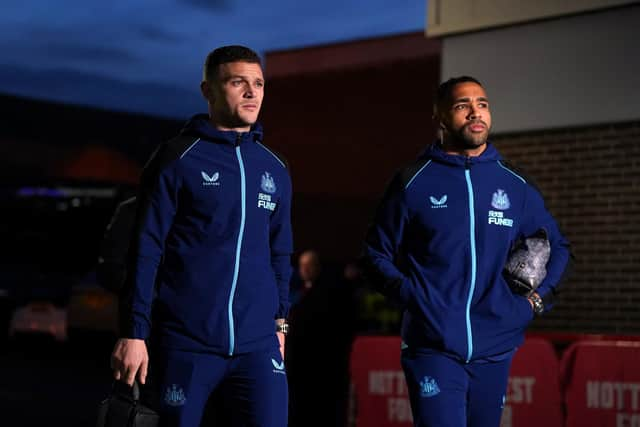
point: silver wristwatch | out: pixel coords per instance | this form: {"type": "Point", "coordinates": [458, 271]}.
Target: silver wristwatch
{"type": "Point", "coordinates": [282, 328]}
{"type": "Point", "coordinates": [538, 305]}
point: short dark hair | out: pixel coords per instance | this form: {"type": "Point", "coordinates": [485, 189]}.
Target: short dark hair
{"type": "Point", "coordinates": [445, 89]}
{"type": "Point", "coordinates": [226, 54]}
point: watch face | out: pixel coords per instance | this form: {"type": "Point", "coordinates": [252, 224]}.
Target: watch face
{"type": "Point", "coordinates": [538, 307]}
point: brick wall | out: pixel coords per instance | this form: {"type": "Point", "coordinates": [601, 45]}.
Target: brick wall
{"type": "Point", "coordinates": [590, 178]}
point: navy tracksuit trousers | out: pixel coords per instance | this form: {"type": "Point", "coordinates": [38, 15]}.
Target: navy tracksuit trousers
{"type": "Point", "coordinates": [254, 385]}
{"type": "Point", "coordinates": [446, 392]}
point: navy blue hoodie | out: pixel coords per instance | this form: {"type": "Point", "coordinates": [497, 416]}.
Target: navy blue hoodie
{"type": "Point", "coordinates": [210, 257]}
{"type": "Point", "coordinates": [439, 242]}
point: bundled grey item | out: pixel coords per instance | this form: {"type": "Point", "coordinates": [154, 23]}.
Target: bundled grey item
{"type": "Point", "coordinates": [526, 267]}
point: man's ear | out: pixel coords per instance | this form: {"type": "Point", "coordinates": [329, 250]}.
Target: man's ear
{"type": "Point", "coordinates": [206, 90]}
{"type": "Point", "coordinates": [436, 118]}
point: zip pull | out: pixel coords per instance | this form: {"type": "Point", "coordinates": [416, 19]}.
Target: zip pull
{"type": "Point", "coordinates": [238, 138]}
{"type": "Point", "coordinates": [467, 162]}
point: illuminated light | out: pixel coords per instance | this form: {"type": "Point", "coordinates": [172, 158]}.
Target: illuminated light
{"type": "Point", "coordinates": [39, 192]}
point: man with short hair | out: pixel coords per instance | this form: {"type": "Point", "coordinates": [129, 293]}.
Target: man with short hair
{"type": "Point", "coordinates": [209, 264]}
{"type": "Point", "coordinates": [438, 245]}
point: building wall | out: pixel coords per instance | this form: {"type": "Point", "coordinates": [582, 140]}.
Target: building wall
{"type": "Point", "coordinates": [575, 71]}
{"type": "Point", "coordinates": [458, 16]}
{"type": "Point", "coordinates": [345, 124]}
{"type": "Point", "coordinates": [590, 177]}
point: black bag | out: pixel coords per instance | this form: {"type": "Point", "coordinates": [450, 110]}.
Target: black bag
{"type": "Point", "coordinates": [526, 267]}
{"type": "Point", "coordinates": [112, 261]}
{"type": "Point", "coordinates": [124, 409]}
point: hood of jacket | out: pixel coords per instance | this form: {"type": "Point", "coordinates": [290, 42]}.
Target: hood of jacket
{"type": "Point", "coordinates": [436, 153]}
{"type": "Point", "coordinates": [200, 126]}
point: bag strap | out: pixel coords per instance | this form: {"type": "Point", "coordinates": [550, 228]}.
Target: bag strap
{"type": "Point", "coordinates": [133, 392]}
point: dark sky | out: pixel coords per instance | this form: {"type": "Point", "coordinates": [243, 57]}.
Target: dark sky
{"type": "Point", "coordinates": [146, 56]}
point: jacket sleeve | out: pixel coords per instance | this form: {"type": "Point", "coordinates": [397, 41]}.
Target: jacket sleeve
{"type": "Point", "coordinates": [558, 266]}
{"type": "Point", "coordinates": [281, 244]}
{"type": "Point", "coordinates": [382, 245]}
{"type": "Point", "coordinates": [157, 204]}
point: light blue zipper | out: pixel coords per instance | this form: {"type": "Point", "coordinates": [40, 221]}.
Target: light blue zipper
{"type": "Point", "coordinates": [236, 269]}
{"type": "Point", "coordinates": [472, 237]}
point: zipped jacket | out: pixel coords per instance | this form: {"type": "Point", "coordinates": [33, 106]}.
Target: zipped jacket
{"type": "Point", "coordinates": [438, 245]}
{"type": "Point", "coordinates": [209, 263]}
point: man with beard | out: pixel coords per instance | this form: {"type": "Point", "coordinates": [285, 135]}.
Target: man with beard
{"type": "Point", "coordinates": [438, 245]}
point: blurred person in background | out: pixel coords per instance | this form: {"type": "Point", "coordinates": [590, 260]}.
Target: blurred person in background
{"type": "Point", "coordinates": [205, 299]}
{"type": "Point", "coordinates": [438, 245]}
{"type": "Point", "coordinates": [305, 276]}
{"type": "Point", "coordinates": [318, 352]}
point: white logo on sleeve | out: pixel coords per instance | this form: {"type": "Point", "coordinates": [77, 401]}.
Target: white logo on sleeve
{"type": "Point", "coordinates": [210, 180]}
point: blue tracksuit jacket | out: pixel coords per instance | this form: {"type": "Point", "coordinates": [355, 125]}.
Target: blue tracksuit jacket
{"type": "Point", "coordinates": [438, 245]}
{"type": "Point", "coordinates": [212, 243]}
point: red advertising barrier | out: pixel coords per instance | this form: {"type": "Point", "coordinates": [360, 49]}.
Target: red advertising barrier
{"type": "Point", "coordinates": [381, 397]}
{"type": "Point", "coordinates": [598, 380]}
{"type": "Point", "coordinates": [533, 393]}
{"type": "Point", "coordinates": [601, 384]}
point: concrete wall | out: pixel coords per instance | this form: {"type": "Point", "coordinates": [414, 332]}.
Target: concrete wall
{"type": "Point", "coordinates": [574, 71]}
{"type": "Point", "coordinates": [461, 16]}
